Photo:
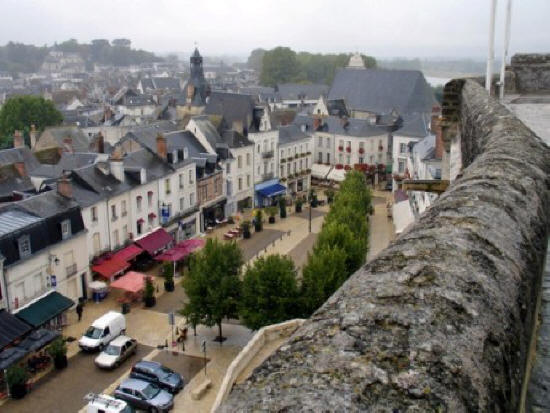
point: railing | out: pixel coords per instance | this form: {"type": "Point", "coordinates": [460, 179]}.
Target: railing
{"type": "Point", "coordinates": [71, 269]}
{"type": "Point", "coordinates": [267, 154]}
{"type": "Point", "coordinates": [267, 176]}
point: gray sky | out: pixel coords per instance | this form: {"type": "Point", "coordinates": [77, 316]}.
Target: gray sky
{"type": "Point", "coordinates": [383, 28]}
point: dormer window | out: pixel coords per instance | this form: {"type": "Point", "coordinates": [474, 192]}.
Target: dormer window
{"type": "Point", "coordinates": [24, 244]}
{"type": "Point", "coordinates": [65, 229]}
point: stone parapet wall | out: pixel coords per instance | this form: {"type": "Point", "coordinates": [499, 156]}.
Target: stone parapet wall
{"type": "Point", "coordinates": [441, 320]}
{"type": "Point", "coordinates": [531, 73]}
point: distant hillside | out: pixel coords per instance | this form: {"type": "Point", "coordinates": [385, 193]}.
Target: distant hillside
{"type": "Point", "coordinates": [18, 57]}
{"type": "Point", "coordinates": [436, 67]}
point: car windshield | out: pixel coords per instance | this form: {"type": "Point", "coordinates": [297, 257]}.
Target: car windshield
{"type": "Point", "coordinates": [93, 332]}
{"type": "Point", "coordinates": [150, 391]}
{"type": "Point", "coordinates": [165, 372]}
{"type": "Point", "coordinates": [112, 350]}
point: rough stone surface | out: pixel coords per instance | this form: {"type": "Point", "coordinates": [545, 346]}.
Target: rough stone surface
{"type": "Point", "coordinates": [531, 72]}
{"type": "Point", "coordinates": [440, 320]}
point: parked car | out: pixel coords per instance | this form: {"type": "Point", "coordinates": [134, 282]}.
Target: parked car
{"type": "Point", "coordinates": [102, 331]}
{"type": "Point", "coordinates": [116, 352]}
{"type": "Point", "coordinates": [156, 373]}
{"type": "Point", "coordinates": [144, 395]}
{"type": "Point", "coordinates": [103, 403]}
{"type": "Point", "coordinates": [389, 186]}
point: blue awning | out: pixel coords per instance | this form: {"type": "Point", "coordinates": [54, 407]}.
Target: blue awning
{"type": "Point", "coordinates": [272, 190]}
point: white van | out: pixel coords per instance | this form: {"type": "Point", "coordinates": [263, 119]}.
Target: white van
{"type": "Point", "coordinates": [103, 403]}
{"type": "Point", "coordinates": [102, 331]}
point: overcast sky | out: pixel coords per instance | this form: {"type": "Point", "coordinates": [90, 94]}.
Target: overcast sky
{"type": "Point", "coordinates": [383, 28]}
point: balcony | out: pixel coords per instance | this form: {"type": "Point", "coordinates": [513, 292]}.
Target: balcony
{"type": "Point", "coordinates": [267, 154]}
{"type": "Point", "coordinates": [267, 176]}
{"type": "Point", "coordinates": [71, 270]}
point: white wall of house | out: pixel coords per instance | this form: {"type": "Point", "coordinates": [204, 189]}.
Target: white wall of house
{"type": "Point", "coordinates": [374, 148]}
{"type": "Point", "coordinates": [400, 155]}
{"type": "Point", "coordinates": [118, 222]}
{"type": "Point", "coordinates": [29, 278]}
{"type": "Point", "coordinates": [95, 221]}
{"type": "Point", "coordinates": [240, 177]}
{"type": "Point", "coordinates": [264, 165]}
{"type": "Point", "coordinates": [145, 209]}
{"type": "Point", "coordinates": [297, 161]}
{"type": "Point", "coordinates": [136, 111]}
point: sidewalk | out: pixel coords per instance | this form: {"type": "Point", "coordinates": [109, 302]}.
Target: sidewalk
{"type": "Point", "coordinates": [381, 231]}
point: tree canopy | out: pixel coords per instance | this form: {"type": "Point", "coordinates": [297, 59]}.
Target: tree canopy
{"type": "Point", "coordinates": [213, 284]}
{"type": "Point", "coordinates": [283, 65]}
{"type": "Point", "coordinates": [20, 112]}
{"type": "Point", "coordinates": [270, 293]}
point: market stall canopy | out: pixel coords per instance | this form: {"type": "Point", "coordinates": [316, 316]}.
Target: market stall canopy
{"type": "Point", "coordinates": [155, 241]}
{"type": "Point", "coordinates": [191, 244]}
{"type": "Point", "coordinates": [128, 253]}
{"type": "Point", "coordinates": [320, 171]}
{"type": "Point", "coordinates": [337, 175]}
{"type": "Point", "coordinates": [272, 190]}
{"type": "Point", "coordinates": [10, 356]}
{"type": "Point", "coordinates": [11, 328]}
{"type": "Point", "coordinates": [110, 268]}
{"type": "Point", "coordinates": [174, 254]}
{"type": "Point", "coordinates": [44, 309]}
{"type": "Point", "coordinates": [38, 339]}
{"type": "Point", "coordinates": [132, 282]}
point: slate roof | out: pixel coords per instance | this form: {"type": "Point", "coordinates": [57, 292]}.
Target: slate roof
{"type": "Point", "coordinates": [380, 91]}
{"type": "Point", "coordinates": [290, 133]}
{"type": "Point", "coordinates": [337, 107]}
{"type": "Point", "coordinates": [232, 107]}
{"type": "Point", "coordinates": [414, 125]}
{"type": "Point", "coordinates": [425, 148]}
{"type": "Point", "coordinates": [296, 91]}
{"type": "Point", "coordinates": [12, 155]}
{"type": "Point", "coordinates": [261, 93]}
{"type": "Point", "coordinates": [235, 140]}
{"type": "Point", "coordinates": [80, 142]}
{"type": "Point", "coordinates": [166, 83]}
{"type": "Point", "coordinates": [333, 124]}
{"type": "Point", "coordinates": [139, 100]}
{"type": "Point", "coordinates": [10, 181]}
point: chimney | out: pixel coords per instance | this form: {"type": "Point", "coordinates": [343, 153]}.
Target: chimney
{"type": "Point", "coordinates": [143, 176]}
{"type": "Point", "coordinates": [64, 186]}
{"type": "Point", "coordinates": [68, 144]}
{"type": "Point", "coordinates": [20, 167]}
{"type": "Point", "coordinates": [18, 140]}
{"type": "Point", "coordinates": [100, 143]}
{"type": "Point", "coordinates": [33, 134]}
{"type": "Point", "coordinates": [107, 113]}
{"type": "Point", "coordinates": [434, 122]}
{"type": "Point", "coordinates": [161, 146]}
{"type": "Point", "coordinates": [116, 165]}
{"type": "Point", "coordinates": [438, 139]}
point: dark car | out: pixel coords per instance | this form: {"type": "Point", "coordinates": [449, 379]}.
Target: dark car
{"type": "Point", "coordinates": [144, 395]}
{"type": "Point", "coordinates": [389, 186]}
{"type": "Point", "coordinates": [157, 374]}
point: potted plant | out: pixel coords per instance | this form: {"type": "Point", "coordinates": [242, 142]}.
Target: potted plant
{"type": "Point", "coordinates": [298, 205]}
{"type": "Point", "coordinates": [58, 352]}
{"type": "Point", "coordinates": [329, 193]}
{"type": "Point", "coordinates": [149, 293]}
{"type": "Point", "coordinates": [258, 225]}
{"type": "Point", "coordinates": [16, 377]}
{"type": "Point", "coordinates": [245, 226]}
{"type": "Point", "coordinates": [282, 207]}
{"type": "Point", "coordinates": [168, 274]}
{"type": "Point", "coordinates": [272, 211]}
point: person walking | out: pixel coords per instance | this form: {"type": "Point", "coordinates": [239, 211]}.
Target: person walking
{"type": "Point", "coordinates": [79, 309]}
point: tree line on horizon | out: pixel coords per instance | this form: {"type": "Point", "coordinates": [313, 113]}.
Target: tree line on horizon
{"type": "Point", "coordinates": [284, 65]}
{"type": "Point", "coordinates": [24, 58]}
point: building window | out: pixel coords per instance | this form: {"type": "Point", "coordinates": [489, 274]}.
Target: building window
{"type": "Point", "coordinates": [320, 157]}
{"type": "Point", "coordinates": [123, 208]}
{"type": "Point", "coordinates": [182, 203]}
{"type": "Point", "coordinates": [259, 148]}
{"type": "Point", "coordinates": [300, 164]}
{"type": "Point", "coordinates": [401, 166]}
{"type": "Point", "coordinates": [191, 176]}
{"type": "Point", "coordinates": [65, 229]}
{"type": "Point", "coordinates": [138, 203]}
{"type": "Point", "coordinates": [360, 160]}
{"type": "Point", "coordinates": [239, 161]}
{"type": "Point", "coordinates": [328, 143]}
{"type": "Point", "coordinates": [124, 232]}
{"type": "Point", "coordinates": [139, 225]}
{"type": "Point", "coordinates": [97, 245]}
{"type": "Point", "coordinates": [288, 168]}
{"type": "Point", "coordinates": [348, 160]}
{"type": "Point", "coordinates": [24, 244]}
{"type": "Point", "coordinates": [240, 184]}
{"type": "Point", "coordinates": [403, 148]}
{"type": "Point", "coordinates": [181, 180]}
{"type": "Point", "coordinates": [247, 159]}
{"type": "Point", "coordinates": [328, 157]}
{"type": "Point", "coordinates": [191, 199]}
{"type": "Point", "coordinates": [282, 170]}
{"type": "Point", "coordinates": [94, 214]}
{"type": "Point", "coordinates": [340, 158]}
{"type": "Point", "coordinates": [167, 186]}
{"type": "Point", "coordinates": [307, 163]}
{"type": "Point", "coordinates": [150, 199]}
{"type": "Point", "coordinates": [320, 141]}
{"type": "Point", "coordinates": [116, 238]}
{"type": "Point", "coordinates": [248, 181]}
{"type": "Point", "coordinates": [113, 212]}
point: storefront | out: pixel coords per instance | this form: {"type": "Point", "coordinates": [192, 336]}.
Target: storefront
{"type": "Point", "coordinates": [48, 311]}
{"type": "Point", "coordinates": [212, 213]}
{"type": "Point", "coordinates": [267, 192]}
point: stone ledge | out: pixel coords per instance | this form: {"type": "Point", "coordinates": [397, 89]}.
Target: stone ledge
{"type": "Point", "coordinates": [440, 320]}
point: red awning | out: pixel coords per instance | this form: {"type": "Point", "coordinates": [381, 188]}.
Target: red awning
{"type": "Point", "coordinates": [155, 241]}
{"type": "Point", "coordinates": [149, 192]}
{"type": "Point", "coordinates": [132, 282]}
{"type": "Point", "coordinates": [191, 244]}
{"type": "Point", "coordinates": [140, 221]}
{"type": "Point", "coordinates": [128, 253]}
{"type": "Point", "coordinates": [174, 254]}
{"type": "Point", "coordinates": [152, 215]}
{"type": "Point", "coordinates": [110, 267]}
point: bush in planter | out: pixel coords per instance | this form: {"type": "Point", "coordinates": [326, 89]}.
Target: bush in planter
{"type": "Point", "coordinates": [272, 211]}
{"type": "Point", "coordinates": [245, 226]}
{"type": "Point", "coordinates": [58, 352]}
{"type": "Point", "coordinates": [149, 293]}
{"type": "Point", "coordinates": [168, 274]}
{"type": "Point", "coordinates": [329, 193]}
{"type": "Point", "coordinates": [16, 377]}
{"type": "Point", "coordinates": [298, 205]}
{"type": "Point", "coordinates": [258, 216]}
{"type": "Point", "coordinates": [282, 207]}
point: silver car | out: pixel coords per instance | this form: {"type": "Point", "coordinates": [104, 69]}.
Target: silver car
{"type": "Point", "coordinates": [144, 395]}
{"type": "Point", "coordinates": [116, 352]}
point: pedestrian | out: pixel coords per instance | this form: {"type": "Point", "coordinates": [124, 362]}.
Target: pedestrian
{"type": "Point", "coordinates": [79, 309]}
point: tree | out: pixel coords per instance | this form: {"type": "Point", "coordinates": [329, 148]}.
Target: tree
{"type": "Point", "coordinates": [323, 274]}
{"type": "Point", "coordinates": [213, 284]}
{"type": "Point", "coordinates": [255, 59]}
{"type": "Point", "coordinates": [279, 66]}
{"type": "Point", "coordinates": [270, 293]}
{"type": "Point", "coordinates": [20, 112]}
